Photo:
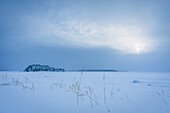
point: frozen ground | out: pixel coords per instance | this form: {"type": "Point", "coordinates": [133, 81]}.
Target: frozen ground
{"type": "Point", "coordinates": [75, 92]}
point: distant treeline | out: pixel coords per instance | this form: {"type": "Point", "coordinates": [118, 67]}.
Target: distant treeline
{"type": "Point", "coordinates": [95, 70]}
{"type": "Point", "coordinates": [38, 67]}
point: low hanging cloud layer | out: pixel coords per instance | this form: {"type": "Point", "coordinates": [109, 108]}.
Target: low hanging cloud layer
{"type": "Point", "coordinates": [69, 28]}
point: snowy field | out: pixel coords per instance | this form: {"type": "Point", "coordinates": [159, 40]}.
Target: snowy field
{"type": "Point", "coordinates": [76, 92]}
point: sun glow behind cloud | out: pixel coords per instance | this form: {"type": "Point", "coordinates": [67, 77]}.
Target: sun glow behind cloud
{"type": "Point", "coordinates": [123, 38]}
{"type": "Point", "coordinates": [126, 39]}
{"type": "Point", "coordinates": [68, 28]}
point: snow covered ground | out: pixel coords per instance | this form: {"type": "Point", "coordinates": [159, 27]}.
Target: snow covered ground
{"type": "Point", "coordinates": [87, 92]}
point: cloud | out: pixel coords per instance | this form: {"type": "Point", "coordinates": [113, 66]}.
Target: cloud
{"type": "Point", "coordinates": [67, 28]}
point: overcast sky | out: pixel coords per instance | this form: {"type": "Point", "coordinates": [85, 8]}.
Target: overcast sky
{"type": "Point", "coordinates": [130, 35]}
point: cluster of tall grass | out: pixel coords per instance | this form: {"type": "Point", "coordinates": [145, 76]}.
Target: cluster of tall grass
{"type": "Point", "coordinates": [16, 81]}
{"type": "Point", "coordinates": [86, 92]}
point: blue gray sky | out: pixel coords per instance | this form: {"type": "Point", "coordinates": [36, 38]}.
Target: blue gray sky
{"type": "Point", "coordinates": [129, 35]}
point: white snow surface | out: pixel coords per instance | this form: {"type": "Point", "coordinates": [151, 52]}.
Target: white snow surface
{"type": "Point", "coordinates": [87, 92]}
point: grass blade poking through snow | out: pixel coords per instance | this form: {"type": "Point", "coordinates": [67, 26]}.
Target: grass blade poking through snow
{"type": "Point", "coordinates": [162, 98]}
{"type": "Point", "coordinates": [104, 89]}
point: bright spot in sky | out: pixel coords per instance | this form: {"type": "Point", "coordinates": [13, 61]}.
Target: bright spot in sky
{"type": "Point", "coordinates": [138, 50]}
{"type": "Point", "coordinates": [125, 38]}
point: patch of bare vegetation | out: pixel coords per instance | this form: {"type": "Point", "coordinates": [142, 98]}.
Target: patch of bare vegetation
{"type": "Point", "coordinates": [16, 81]}
{"type": "Point", "coordinates": [161, 96]}
{"type": "Point", "coordinates": [83, 92]}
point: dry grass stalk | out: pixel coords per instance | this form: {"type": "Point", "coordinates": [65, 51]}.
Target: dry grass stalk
{"type": "Point", "coordinates": [162, 98]}
{"type": "Point", "coordinates": [104, 89]}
